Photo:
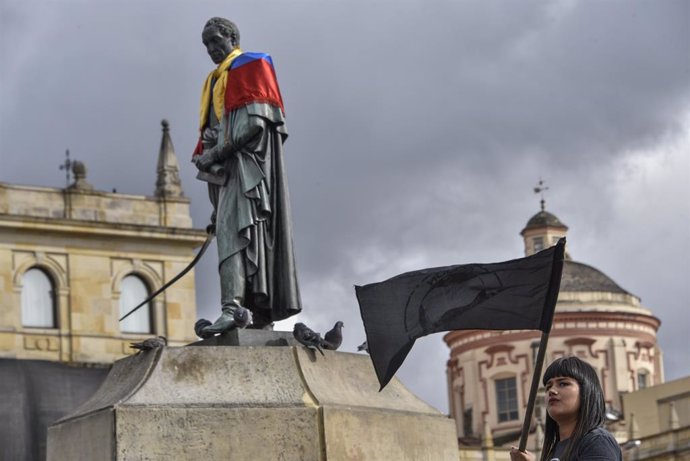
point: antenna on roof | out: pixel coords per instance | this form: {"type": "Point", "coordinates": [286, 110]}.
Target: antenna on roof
{"type": "Point", "coordinates": [67, 165]}
{"type": "Point", "coordinates": [540, 190]}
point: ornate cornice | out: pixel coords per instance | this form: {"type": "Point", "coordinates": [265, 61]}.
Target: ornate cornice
{"type": "Point", "coordinates": [567, 324]}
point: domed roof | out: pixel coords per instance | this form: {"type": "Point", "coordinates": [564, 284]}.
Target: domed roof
{"type": "Point", "coordinates": [543, 219]}
{"type": "Point", "coordinates": [581, 277]}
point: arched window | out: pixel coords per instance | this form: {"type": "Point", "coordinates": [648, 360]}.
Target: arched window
{"type": "Point", "coordinates": [133, 290]}
{"type": "Point", "coordinates": [38, 299]}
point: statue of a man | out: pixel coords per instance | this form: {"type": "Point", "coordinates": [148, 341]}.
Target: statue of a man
{"type": "Point", "coordinates": [240, 155]}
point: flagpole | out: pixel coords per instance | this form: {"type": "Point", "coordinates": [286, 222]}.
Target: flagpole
{"type": "Point", "coordinates": [539, 362]}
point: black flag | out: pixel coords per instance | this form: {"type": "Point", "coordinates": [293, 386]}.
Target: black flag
{"type": "Point", "coordinates": [513, 295]}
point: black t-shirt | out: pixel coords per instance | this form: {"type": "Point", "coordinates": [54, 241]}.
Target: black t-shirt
{"type": "Point", "coordinates": [597, 445]}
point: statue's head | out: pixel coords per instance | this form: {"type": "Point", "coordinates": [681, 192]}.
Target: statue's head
{"type": "Point", "coordinates": [220, 37]}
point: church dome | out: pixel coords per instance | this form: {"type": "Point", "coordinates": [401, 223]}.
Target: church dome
{"type": "Point", "coordinates": [581, 277]}
{"type": "Point", "coordinates": [543, 219]}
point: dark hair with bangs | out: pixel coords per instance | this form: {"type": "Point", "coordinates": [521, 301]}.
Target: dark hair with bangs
{"type": "Point", "coordinates": [592, 405]}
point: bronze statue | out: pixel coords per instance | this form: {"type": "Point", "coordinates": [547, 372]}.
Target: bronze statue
{"type": "Point", "coordinates": [240, 156]}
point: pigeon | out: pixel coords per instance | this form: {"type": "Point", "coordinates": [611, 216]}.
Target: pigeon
{"type": "Point", "coordinates": [151, 343]}
{"type": "Point", "coordinates": [333, 338]}
{"type": "Point", "coordinates": [307, 337]}
{"type": "Point", "coordinates": [363, 347]}
{"type": "Point", "coordinates": [199, 327]}
{"type": "Point", "coordinates": [242, 317]}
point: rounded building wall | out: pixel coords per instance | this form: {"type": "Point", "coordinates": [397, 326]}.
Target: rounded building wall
{"type": "Point", "coordinates": [490, 372]}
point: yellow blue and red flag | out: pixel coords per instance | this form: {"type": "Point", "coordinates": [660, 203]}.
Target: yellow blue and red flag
{"type": "Point", "coordinates": [251, 78]}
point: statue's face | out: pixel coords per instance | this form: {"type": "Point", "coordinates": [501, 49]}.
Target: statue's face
{"type": "Point", "coordinates": [216, 44]}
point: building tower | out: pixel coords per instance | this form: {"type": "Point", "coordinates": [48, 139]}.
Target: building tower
{"type": "Point", "coordinates": [489, 372]}
{"type": "Point", "coordinates": [168, 184]}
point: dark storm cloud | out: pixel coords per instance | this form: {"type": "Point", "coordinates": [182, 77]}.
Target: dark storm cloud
{"type": "Point", "coordinates": [417, 130]}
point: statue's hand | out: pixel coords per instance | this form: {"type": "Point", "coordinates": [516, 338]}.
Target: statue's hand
{"type": "Point", "coordinates": [204, 161]}
{"type": "Point", "coordinates": [211, 228]}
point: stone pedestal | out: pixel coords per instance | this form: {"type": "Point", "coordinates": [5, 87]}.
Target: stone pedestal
{"type": "Point", "coordinates": [251, 403]}
{"type": "Point", "coordinates": [247, 337]}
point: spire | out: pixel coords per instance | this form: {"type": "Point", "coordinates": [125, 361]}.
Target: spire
{"type": "Point", "coordinates": [168, 182]}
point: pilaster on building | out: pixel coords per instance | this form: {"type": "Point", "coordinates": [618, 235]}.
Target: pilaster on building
{"type": "Point", "coordinates": [73, 259]}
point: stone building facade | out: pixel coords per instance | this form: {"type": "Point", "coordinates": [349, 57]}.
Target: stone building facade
{"type": "Point", "coordinates": [659, 422]}
{"type": "Point", "coordinates": [489, 372]}
{"type": "Point", "coordinates": [86, 249]}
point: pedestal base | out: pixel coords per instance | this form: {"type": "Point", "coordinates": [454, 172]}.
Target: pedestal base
{"type": "Point", "coordinates": [251, 403]}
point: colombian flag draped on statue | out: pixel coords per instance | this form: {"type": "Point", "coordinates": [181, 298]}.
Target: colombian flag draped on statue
{"type": "Point", "coordinates": [250, 78]}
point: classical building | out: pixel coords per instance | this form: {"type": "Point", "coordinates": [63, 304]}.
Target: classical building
{"type": "Point", "coordinates": [72, 262]}
{"type": "Point", "coordinates": [489, 372]}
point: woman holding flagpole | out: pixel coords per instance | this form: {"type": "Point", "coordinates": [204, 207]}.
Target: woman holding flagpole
{"type": "Point", "coordinates": [575, 416]}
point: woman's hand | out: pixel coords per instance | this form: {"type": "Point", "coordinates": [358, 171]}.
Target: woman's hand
{"type": "Point", "coordinates": [517, 455]}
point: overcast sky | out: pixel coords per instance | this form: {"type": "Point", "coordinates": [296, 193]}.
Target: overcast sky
{"type": "Point", "coordinates": [417, 132]}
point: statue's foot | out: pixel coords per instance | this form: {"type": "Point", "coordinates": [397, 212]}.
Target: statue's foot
{"type": "Point", "coordinates": [224, 323]}
{"type": "Point", "coordinates": [239, 317]}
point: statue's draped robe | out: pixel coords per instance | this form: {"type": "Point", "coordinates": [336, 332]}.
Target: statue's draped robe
{"type": "Point", "coordinates": [253, 208]}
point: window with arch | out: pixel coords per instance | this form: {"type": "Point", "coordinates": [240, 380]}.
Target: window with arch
{"type": "Point", "coordinates": [506, 399]}
{"type": "Point", "coordinates": [134, 290]}
{"type": "Point", "coordinates": [38, 299]}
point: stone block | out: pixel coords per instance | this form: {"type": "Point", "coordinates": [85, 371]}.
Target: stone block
{"type": "Point", "coordinates": [251, 403]}
{"type": "Point", "coordinates": [165, 433]}
{"type": "Point", "coordinates": [349, 433]}
{"type": "Point", "coordinates": [346, 379]}
{"type": "Point", "coordinates": [89, 432]}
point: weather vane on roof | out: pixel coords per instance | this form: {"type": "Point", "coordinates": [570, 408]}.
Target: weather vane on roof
{"type": "Point", "coordinates": [67, 165]}
{"type": "Point", "coordinates": [540, 190]}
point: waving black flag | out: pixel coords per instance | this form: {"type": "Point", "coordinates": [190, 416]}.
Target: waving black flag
{"type": "Point", "coordinates": [513, 295]}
